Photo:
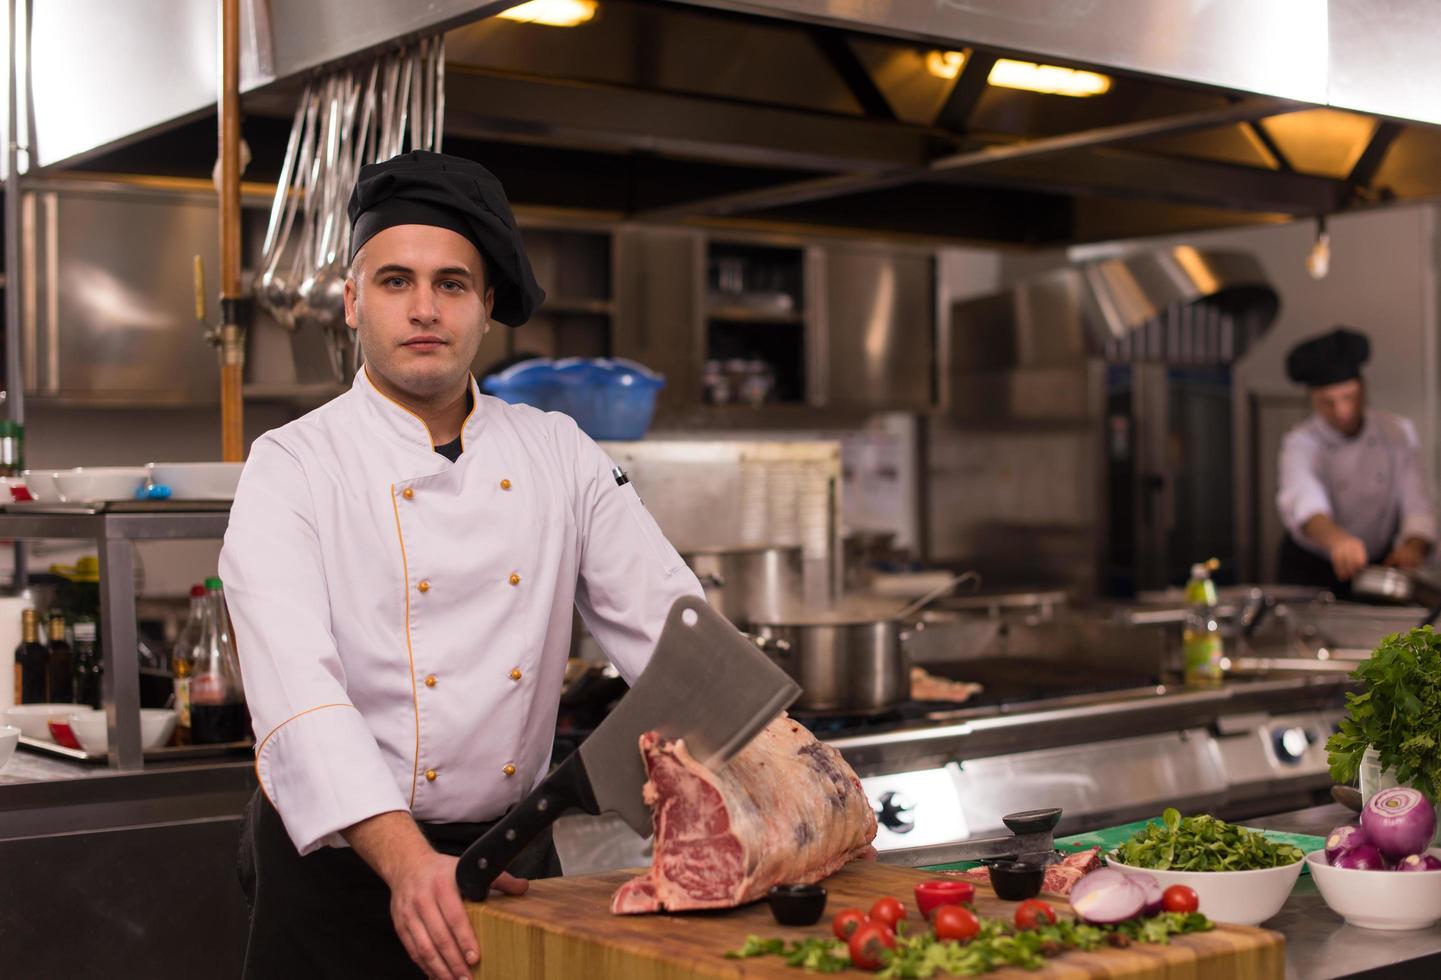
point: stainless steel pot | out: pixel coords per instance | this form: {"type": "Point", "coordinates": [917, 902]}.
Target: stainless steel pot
{"type": "Point", "coordinates": [842, 667]}
{"type": "Point", "coordinates": [747, 585]}
{"type": "Point", "coordinates": [849, 659]}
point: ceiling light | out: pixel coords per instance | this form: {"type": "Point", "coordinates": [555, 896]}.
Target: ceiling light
{"type": "Point", "coordinates": [552, 13]}
{"type": "Point", "coordinates": [945, 64]}
{"type": "Point", "coordinates": [1048, 79]}
{"type": "Point", "coordinates": [1318, 259]}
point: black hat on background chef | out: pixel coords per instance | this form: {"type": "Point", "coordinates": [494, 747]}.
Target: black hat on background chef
{"type": "Point", "coordinates": [1328, 359]}
{"type": "Point", "coordinates": [425, 188]}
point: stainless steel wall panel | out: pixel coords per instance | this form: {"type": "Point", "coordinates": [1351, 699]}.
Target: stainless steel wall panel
{"type": "Point", "coordinates": [880, 328]}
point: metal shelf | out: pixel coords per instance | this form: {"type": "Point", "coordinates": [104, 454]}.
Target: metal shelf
{"type": "Point", "coordinates": [114, 526]}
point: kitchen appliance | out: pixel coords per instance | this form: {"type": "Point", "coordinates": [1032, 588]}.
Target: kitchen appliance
{"type": "Point", "coordinates": [704, 683]}
{"type": "Point", "coordinates": [746, 585]}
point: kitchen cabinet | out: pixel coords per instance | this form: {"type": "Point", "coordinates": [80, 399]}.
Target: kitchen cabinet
{"type": "Point", "coordinates": [659, 298]}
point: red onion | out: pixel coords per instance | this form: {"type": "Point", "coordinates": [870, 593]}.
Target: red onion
{"type": "Point", "coordinates": [1419, 862]}
{"type": "Point", "coordinates": [1107, 896]}
{"type": "Point", "coordinates": [1151, 887]}
{"type": "Point", "coordinates": [1399, 821]}
{"type": "Point", "coordinates": [1364, 857]}
{"type": "Point", "coordinates": [1343, 839]}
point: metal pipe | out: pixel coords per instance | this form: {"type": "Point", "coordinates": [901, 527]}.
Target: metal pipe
{"type": "Point", "coordinates": [14, 381]}
{"type": "Point", "coordinates": [232, 326]}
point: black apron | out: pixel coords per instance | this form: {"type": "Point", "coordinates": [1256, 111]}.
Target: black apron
{"type": "Point", "coordinates": [327, 914]}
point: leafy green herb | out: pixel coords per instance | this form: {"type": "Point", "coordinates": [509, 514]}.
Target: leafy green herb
{"type": "Point", "coordinates": [1399, 713]}
{"type": "Point", "coordinates": [1202, 843]}
{"type": "Point", "coordinates": [817, 955]}
{"type": "Point", "coordinates": [996, 946]}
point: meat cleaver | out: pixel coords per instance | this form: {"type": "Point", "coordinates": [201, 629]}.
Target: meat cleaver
{"type": "Point", "coordinates": [705, 683]}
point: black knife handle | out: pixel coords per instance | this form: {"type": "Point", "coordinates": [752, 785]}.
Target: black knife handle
{"type": "Point", "coordinates": [567, 787]}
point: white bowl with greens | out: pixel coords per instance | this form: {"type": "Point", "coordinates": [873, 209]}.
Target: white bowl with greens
{"type": "Point", "coordinates": [1238, 875]}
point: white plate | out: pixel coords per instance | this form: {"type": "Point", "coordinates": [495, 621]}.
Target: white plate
{"type": "Point", "coordinates": [85, 483]}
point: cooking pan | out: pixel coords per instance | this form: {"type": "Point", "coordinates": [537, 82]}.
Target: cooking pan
{"type": "Point", "coordinates": [1376, 583]}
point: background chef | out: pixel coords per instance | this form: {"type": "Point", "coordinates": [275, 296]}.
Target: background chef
{"type": "Point", "coordinates": [401, 566]}
{"type": "Point", "coordinates": [1351, 489]}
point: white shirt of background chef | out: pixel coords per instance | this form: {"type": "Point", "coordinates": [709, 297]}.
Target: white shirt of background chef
{"type": "Point", "coordinates": [1372, 485]}
{"type": "Point", "coordinates": [403, 622]}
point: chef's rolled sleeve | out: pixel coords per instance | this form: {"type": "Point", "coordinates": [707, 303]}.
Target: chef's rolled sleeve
{"type": "Point", "coordinates": [1301, 493]}
{"type": "Point", "coordinates": [1418, 517]}
{"type": "Point", "coordinates": [630, 575]}
{"type": "Point", "coordinates": [317, 760]}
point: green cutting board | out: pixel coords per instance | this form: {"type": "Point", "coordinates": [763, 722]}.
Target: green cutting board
{"type": "Point", "coordinates": [1109, 838]}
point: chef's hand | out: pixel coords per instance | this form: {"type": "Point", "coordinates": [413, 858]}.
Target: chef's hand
{"type": "Point", "coordinates": [424, 898]}
{"type": "Point", "coordinates": [1408, 554]}
{"type": "Point", "coordinates": [1348, 556]}
{"type": "Point", "coordinates": [430, 919]}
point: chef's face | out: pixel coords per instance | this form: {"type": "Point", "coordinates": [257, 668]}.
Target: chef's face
{"type": "Point", "coordinates": [1342, 405]}
{"type": "Point", "coordinates": [418, 299]}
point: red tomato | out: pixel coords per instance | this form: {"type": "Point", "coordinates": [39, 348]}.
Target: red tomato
{"type": "Point", "coordinates": [846, 922]}
{"type": "Point", "coordinates": [1033, 913]}
{"type": "Point", "coordinates": [956, 922]}
{"type": "Point", "coordinates": [931, 895]}
{"type": "Point", "coordinates": [888, 911]}
{"type": "Point", "coordinates": [1179, 898]}
{"type": "Point", "coordinates": [869, 944]}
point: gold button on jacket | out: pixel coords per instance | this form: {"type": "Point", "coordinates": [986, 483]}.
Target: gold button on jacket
{"type": "Point", "coordinates": [430, 681]}
{"type": "Point", "coordinates": [407, 493]}
{"type": "Point", "coordinates": [424, 586]}
{"type": "Point", "coordinates": [508, 769]}
{"type": "Point", "coordinates": [430, 775]}
{"type": "Point", "coordinates": [514, 579]}
{"type": "Point", "coordinates": [515, 674]}
{"type": "Point", "coordinates": [505, 484]}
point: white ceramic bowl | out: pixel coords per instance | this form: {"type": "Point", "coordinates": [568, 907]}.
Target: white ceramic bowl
{"type": "Point", "coordinates": [9, 738]}
{"type": "Point", "coordinates": [1243, 898]}
{"type": "Point", "coordinates": [33, 720]}
{"type": "Point", "coordinates": [1392, 900]}
{"type": "Point", "coordinates": [41, 484]}
{"type": "Point", "coordinates": [156, 727]}
{"type": "Point", "coordinates": [99, 483]}
{"type": "Point", "coordinates": [198, 481]}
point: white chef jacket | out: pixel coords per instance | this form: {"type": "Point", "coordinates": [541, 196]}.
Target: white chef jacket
{"type": "Point", "coordinates": [403, 622]}
{"type": "Point", "coordinates": [1371, 485]}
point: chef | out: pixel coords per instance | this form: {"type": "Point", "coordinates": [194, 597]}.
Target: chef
{"type": "Point", "coordinates": [401, 565]}
{"type": "Point", "coordinates": [1351, 489]}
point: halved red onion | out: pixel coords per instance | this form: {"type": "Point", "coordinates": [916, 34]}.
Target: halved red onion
{"type": "Point", "coordinates": [1342, 839]}
{"type": "Point", "coordinates": [1151, 887]}
{"type": "Point", "coordinates": [1419, 862]}
{"type": "Point", "coordinates": [1107, 896]}
{"type": "Point", "coordinates": [1365, 857]}
{"type": "Point", "coordinates": [1400, 821]}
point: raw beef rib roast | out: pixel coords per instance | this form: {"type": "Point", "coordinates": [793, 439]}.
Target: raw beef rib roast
{"type": "Point", "coordinates": [787, 808]}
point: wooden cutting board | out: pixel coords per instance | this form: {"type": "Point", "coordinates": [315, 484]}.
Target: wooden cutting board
{"type": "Point", "coordinates": [563, 929]}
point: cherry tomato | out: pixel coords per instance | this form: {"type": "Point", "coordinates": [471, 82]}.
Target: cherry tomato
{"type": "Point", "coordinates": [956, 922]}
{"type": "Point", "coordinates": [931, 895]}
{"type": "Point", "coordinates": [868, 945]}
{"type": "Point", "coordinates": [846, 922]}
{"type": "Point", "coordinates": [1179, 898]}
{"type": "Point", "coordinates": [1033, 913]}
{"type": "Point", "coordinates": [889, 911]}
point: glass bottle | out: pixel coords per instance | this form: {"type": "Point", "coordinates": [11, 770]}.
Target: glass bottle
{"type": "Point", "coordinates": [89, 667]}
{"type": "Point", "coordinates": [12, 448]}
{"type": "Point", "coordinates": [60, 662]}
{"type": "Point", "coordinates": [1201, 648]}
{"type": "Point", "coordinates": [30, 678]}
{"type": "Point", "coordinates": [217, 700]}
{"type": "Point", "coordinates": [182, 661]}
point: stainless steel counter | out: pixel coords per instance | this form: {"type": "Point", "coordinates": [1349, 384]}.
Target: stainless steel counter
{"type": "Point", "coordinates": [1320, 944]}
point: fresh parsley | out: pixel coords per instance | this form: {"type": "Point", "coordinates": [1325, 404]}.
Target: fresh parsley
{"type": "Point", "coordinates": [996, 946]}
{"type": "Point", "coordinates": [1202, 843]}
{"type": "Point", "coordinates": [1399, 713]}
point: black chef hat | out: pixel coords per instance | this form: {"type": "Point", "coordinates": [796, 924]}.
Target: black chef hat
{"type": "Point", "coordinates": [1328, 359]}
{"type": "Point", "coordinates": [425, 188]}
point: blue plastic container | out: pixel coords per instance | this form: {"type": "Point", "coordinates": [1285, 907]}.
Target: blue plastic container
{"type": "Point", "coordinates": [530, 382]}
{"type": "Point", "coordinates": [608, 398]}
